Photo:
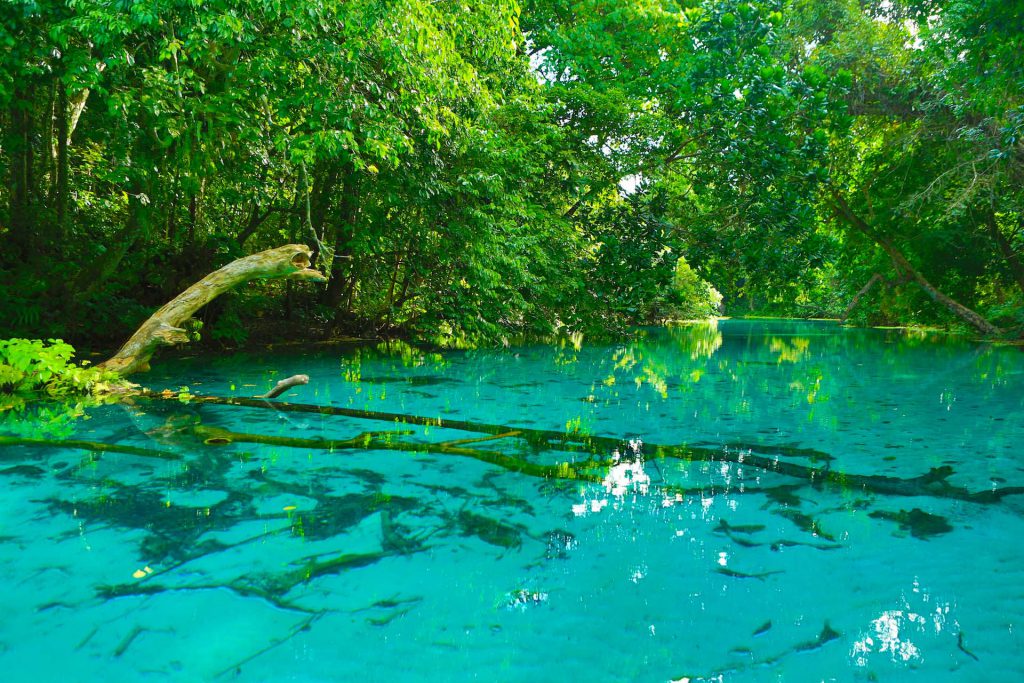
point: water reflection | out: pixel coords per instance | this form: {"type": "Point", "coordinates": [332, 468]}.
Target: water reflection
{"type": "Point", "coordinates": [791, 351]}
{"type": "Point", "coordinates": [626, 476]}
{"type": "Point", "coordinates": [887, 637]}
{"type": "Point", "coordinates": [697, 339]}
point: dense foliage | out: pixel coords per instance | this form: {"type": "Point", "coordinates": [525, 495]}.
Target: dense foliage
{"type": "Point", "coordinates": [33, 366]}
{"type": "Point", "coordinates": [467, 171]}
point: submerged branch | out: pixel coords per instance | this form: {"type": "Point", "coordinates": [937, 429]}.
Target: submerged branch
{"type": "Point", "coordinates": [284, 385]}
{"type": "Point", "coordinates": [933, 483]}
{"type": "Point", "coordinates": [215, 436]}
{"type": "Point", "coordinates": [87, 446]}
{"type": "Point", "coordinates": [593, 468]}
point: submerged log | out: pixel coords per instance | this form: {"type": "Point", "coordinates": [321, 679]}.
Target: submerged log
{"type": "Point", "coordinates": [931, 484]}
{"type": "Point", "coordinates": [163, 327]}
{"type": "Point", "coordinates": [92, 446]}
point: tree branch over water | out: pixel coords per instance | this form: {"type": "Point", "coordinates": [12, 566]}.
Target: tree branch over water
{"type": "Point", "coordinates": [163, 328]}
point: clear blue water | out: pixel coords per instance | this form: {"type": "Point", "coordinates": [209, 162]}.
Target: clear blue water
{"type": "Point", "coordinates": [289, 561]}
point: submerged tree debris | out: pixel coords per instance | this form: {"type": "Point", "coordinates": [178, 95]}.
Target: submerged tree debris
{"type": "Point", "coordinates": [919, 523]}
{"type": "Point", "coordinates": [344, 529]}
{"type": "Point", "coordinates": [931, 484]}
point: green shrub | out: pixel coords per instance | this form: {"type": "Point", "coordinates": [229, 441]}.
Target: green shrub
{"type": "Point", "coordinates": [698, 299]}
{"type": "Point", "coordinates": [34, 365]}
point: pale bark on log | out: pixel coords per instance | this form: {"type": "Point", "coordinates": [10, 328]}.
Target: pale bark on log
{"type": "Point", "coordinates": [284, 385]}
{"type": "Point", "coordinates": [163, 327]}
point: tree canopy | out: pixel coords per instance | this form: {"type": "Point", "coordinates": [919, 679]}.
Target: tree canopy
{"type": "Point", "coordinates": [470, 171]}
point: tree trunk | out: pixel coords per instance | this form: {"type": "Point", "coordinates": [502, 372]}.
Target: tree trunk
{"type": "Point", "coordinates": [162, 328]}
{"type": "Point", "coordinates": [845, 213]}
{"type": "Point", "coordinates": [61, 185]}
{"type": "Point", "coordinates": [348, 215]}
{"type": "Point", "coordinates": [1005, 248]}
{"type": "Point", "coordinates": [18, 146]}
{"type": "Point", "coordinates": [94, 275]}
{"type": "Point", "coordinates": [318, 203]}
{"type": "Point", "coordinates": [49, 145]}
{"type": "Point", "coordinates": [857, 297]}
{"type": "Point", "coordinates": [77, 105]}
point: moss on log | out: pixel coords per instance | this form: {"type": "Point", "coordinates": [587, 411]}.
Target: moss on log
{"type": "Point", "coordinates": [163, 327]}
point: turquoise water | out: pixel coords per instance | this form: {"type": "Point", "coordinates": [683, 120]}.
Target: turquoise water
{"type": "Point", "coordinates": [212, 552]}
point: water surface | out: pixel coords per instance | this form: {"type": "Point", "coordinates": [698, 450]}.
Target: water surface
{"type": "Point", "coordinates": [243, 543]}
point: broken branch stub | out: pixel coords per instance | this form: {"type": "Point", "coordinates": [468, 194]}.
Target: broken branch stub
{"type": "Point", "coordinates": [163, 327]}
{"type": "Point", "coordinates": [284, 385]}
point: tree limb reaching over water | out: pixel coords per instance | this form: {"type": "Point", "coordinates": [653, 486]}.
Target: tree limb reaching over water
{"type": "Point", "coordinates": [163, 327]}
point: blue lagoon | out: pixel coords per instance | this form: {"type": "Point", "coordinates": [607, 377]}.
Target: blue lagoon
{"type": "Point", "coordinates": [731, 501]}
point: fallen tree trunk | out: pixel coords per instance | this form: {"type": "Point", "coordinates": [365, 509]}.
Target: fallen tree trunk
{"type": "Point", "coordinates": [932, 483]}
{"type": "Point", "coordinates": [843, 211]}
{"type": "Point", "coordinates": [163, 327]}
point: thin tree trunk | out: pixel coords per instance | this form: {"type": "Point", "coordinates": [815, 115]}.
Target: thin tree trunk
{"type": "Point", "coordinates": [18, 148]}
{"type": "Point", "coordinates": [174, 192]}
{"type": "Point", "coordinates": [256, 219]}
{"type": "Point", "coordinates": [319, 202]}
{"type": "Point", "coordinates": [49, 144]}
{"type": "Point", "coordinates": [61, 186]}
{"type": "Point", "coordinates": [31, 188]}
{"type": "Point", "coordinates": [1005, 248]}
{"type": "Point", "coordinates": [77, 106]}
{"type": "Point", "coordinates": [846, 214]}
{"type": "Point", "coordinates": [96, 274]}
{"type": "Point", "coordinates": [348, 213]}
{"type": "Point", "coordinates": [406, 282]}
{"type": "Point", "coordinates": [391, 289]}
{"type": "Point", "coordinates": [859, 295]}
{"type": "Point", "coordinates": [193, 216]}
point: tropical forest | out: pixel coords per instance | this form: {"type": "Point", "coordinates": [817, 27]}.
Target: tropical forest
{"type": "Point", "coordinates": [512, 340]}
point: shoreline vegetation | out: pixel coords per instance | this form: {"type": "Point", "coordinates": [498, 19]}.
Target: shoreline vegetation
{"type": "Point", "coordinates": [46, 370]}
{"type": "Point", "coordinates": [464, 174]}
